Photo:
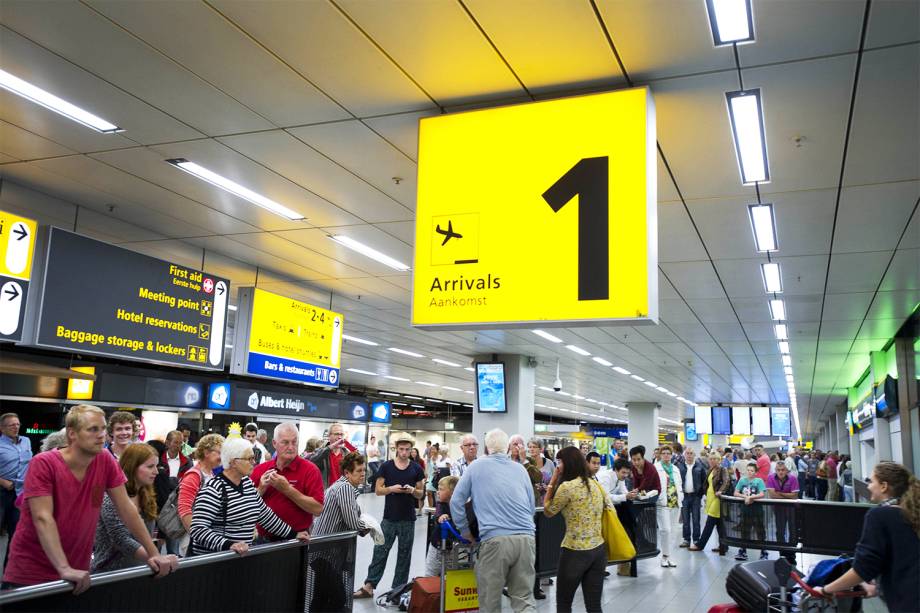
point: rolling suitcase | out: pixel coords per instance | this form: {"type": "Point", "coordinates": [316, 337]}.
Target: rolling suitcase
{"type": "Point", "coordinates": [750, 584]}
{"type": "Point", "coordinates": [426, 595]}
{"type": "Point", "coordinates": [729, 607]}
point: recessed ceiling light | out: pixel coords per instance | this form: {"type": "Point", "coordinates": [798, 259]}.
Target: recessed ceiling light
{"type": "Point", "coordinates": [445, 362]}
{"type": "Point", "coordinates": [577, 397]}
{"type": "Point", "coordinates": [467, 391]}
{"type": "Point", "coordinates": [53, 103]}
{"type": "Point", "coordinates": [787, 360]}
{"type": "Point", "coordinates": [784, 346]}
{"type": "Point", "coordinates": [763, 224]}
{"type": "Point", "coordinates": [435, 400]}
{"type": "Point", "coordinates": [355, 339]}
{"type": "Point", "coordinates": [746, 114]}
{"type": "Point", "coordinates": [561, 393]}
{"type": "Point", "coordinates": [671, 394]}
{"type": "Point", "coordinates": [232, 307]}
{"type": "Point", "coordinates": [369, 252]}
{"type": "Point", "coordinates": [662, 390]}
{"type": "Point", "coordinates": [731, 21]}
{"type": "Point", "coordinates": [602, 361]}
{"type": "Point", "coordinates": [412, 397]}
{"type": "Point", "coordinates": [772, 279]}
{"type": "Point", "coordinates": [782, 334]}
{"type": "Point", "coordinates": [650, 384]}
{"type": "Point", "coordinates": [453, 389]}
{"type": "Point", "coordinates": [470, 368]}
{"type": "Point", "coordinates": [547, 336]}
{"type": "Point", "coordinates": [417, 406]}
{"type": "Point", "coordinates": [636, 377]}
{"type": "Point", "coordinates": [361, 372]}
{"type": "Point", "coordinates": [777, 310]}
{"type": "Point", "coordinates": [400, 404]}
{"type": "Point", "coordinates": [621, 370]}
{"type": "Point", "coordinates": [404, 352]}
{"type": "Point", "coordinates": [426, 384]}
{"type": "Point", "coordinates": [388, 393]}
{"type": "Point", "coordinates": [394, 378]}
{"type": "Point", "coordinates": [787, 370]}
{"type": "Point", "coordinates": [234, 188]}
{"type": "Point", "coordinates": [577, 350]}
{"type": "Point", "coordinates": [590, 400]}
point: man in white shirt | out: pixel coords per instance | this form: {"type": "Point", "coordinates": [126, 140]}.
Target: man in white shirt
{"type": "Point", "coordinates": [693, 478]}
{"type": "Point", "coordinates": [469, 447]}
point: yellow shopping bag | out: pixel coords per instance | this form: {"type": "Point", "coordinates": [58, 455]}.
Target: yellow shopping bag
{"type": "Point", "coordinates": [619, 547]}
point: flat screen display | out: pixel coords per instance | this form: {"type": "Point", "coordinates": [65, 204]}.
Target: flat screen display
{"type": "Point", "coordinates": [779, 417]}
{"type": "Point", "coordinates": [703, 418]}
{"type": "Point", "coordinates": [721, 420]}
{"type": "Point", "coordinates": [490, 387]}
{"type": "Point", "coordinates": [690, 431]}
{"type": "Point", "coordinates": [741, 420]}
{"type": "Point", "coordinates": [760, 421]}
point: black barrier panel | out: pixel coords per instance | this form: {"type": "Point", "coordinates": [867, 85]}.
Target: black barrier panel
{"type": "Point", "coordinates": [831, 528]}
{"type": "Point", "coordinates": [766, 524]}
{"type": "Point", "coordinates": [646, 529]}
{"type": "Point", "coordinates": [330, 578]}
{"type": "Point", "coordinates": [550, 532]}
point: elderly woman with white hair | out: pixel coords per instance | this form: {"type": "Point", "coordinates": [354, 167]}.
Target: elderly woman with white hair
{"type": "Point", "coordinates": [228, 506]}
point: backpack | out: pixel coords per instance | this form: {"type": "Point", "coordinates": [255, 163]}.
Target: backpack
{"type": "Point", "coordinates": [168, 520]}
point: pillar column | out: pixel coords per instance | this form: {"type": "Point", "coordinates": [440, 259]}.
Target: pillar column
{"type": "Point", "coordinates": [882, 428]}
{"type": "Point", "coordinates": [907, 398]}
{"type": "Point", "coordinates": [643, 425]}
{"type": "Point", "coordinates": [520, 378]}
{"type": "Point", "coordinates": [843, 433]}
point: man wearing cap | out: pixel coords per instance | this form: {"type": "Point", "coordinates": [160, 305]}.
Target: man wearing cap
{"type": "Point", "coordinates": [402, 482]}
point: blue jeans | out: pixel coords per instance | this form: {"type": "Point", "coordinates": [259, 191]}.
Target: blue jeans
{"type": "Point", "coordinates": [690, 516]}
{"type": "Point", "coordinates": [393, 530]}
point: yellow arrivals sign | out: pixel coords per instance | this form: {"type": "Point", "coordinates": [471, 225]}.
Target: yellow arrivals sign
{"type": "Point", "coordinates": [540, 213]}
{"type": "Point", "coordinates": [283, 338]}
{"type": "Point", "coordinates": [460, 591]}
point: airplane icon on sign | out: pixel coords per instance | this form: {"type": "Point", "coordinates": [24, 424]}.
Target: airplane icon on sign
{"type": "Point", "coordinates": [448, 233]}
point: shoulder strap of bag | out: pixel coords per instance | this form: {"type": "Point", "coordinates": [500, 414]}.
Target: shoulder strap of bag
{"type": "Point", "coordinates": [604, 497]}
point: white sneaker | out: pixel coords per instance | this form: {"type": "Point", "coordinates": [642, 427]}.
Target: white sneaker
{"type": "Point", "coordinates": [665, 563]}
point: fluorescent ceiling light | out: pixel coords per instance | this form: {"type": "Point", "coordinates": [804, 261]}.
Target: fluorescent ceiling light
{"type": "Point", "coordinates": [470, 368]}
{"type": "Point", "coordinates": [369, 252]}
{"type": "Point", "coordinates": [53, 103]}
{"type": "Point", "coordinates": [662, 389]}
{"type": "Point", "coordinates": [787, 360]}
{"type": "Point", "coordinates": [457, 404]}
{"type": "Point", "coordinates": [621, 370]}
{"type": "Point", "coordinates": [577, 350]}
{"type": "Point", "coordinates": [234, 188]}
{"type": "Point", "coordinates": [453, 389]}
{"type": "Point", "coordinates": [546, 389]}
{"type": "Point", "coordinates": [602, 362]}
{"type": "Point", "coordinates": [789, 378]}
{"type": "Point", "coordinates": [361, 372]}
{"type": "Point", "coordinates": [577, 397]}
{"type": "Point", "coordinates": [731, 21]}
{"type": "Point", "coordinates": [232, 307]}
{"type": "Point", "coordinates": [445, 362]}
{"type": "Point", "coordinates": [561, 393]}
{"type": "Point", "coordinates": [650, 384]}
{"type": "Point", "coordinates": [434, 400]}
{"type": "Point", "coordinates": [591, 400]}
{"type": "Point", "coordinates": [426, 384]}
{"type": "Point", "coordinates": [467, 391]}
{"type": "Point", "coordinates": [404, 352]}
{"type": "Point", "coordinates": [772, 279]}
{"type": "Point", "coordinates": [412, 397]}
{"type": "Point", "coordinates": [671, 394]}
{"type": "Point", "coordinates": [777, 310]}
{"type": "Point", "coordinates": [401, 404]}
{"type": "Point", "coordinates": [547, 336]}
{"type": "Point", "coordinates": [787, 370]}
{"type": "Point", "coordinates": [355, 339]}
{"type": "Point", "coordinates": [763, 223]}
{"type": "Point", "coordinates": [395, 378]}
{"type": "Point", "coordinates": [636, 377]}
{"type": "Point", "coordinates": [388, 393]}
{"type": "Point", "coordinates": [781, 332]}
{"type": "Point", "coordinates": [784, 346]}
{"type": "Point", "coordinates": [417, 406]}
{"type": "Point", "coordinates": [746, 114]}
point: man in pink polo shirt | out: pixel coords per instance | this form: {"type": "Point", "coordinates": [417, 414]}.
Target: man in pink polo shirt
{"type": "Point", "coordinates": [763, 463]}
{"type": "Point", "coordinates": [63, 495]}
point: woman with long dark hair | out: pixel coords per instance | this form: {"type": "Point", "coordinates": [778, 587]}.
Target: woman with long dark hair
{"type": "Point", "coordinates": [583, 559]}
{"type": "Point", "coordinates": [889, 548]}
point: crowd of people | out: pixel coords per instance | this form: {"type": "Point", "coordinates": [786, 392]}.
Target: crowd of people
{"type": "Point", "coordinates": [96, 499]}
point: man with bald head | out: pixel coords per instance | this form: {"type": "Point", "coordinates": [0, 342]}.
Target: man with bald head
{"type": "Point", "coordinates": [291, 486]}
{"type": "Point", "coordinates": [469, 447]}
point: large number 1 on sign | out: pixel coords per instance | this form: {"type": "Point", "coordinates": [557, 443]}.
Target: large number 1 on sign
{"type": "Point", "coordinates": [588, 180]}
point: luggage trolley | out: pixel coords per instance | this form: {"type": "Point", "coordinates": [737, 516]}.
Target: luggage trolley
{"type": "Point", "coordinates": [805, 599]}
{"type": "Point", "coordinates": [462, 556]}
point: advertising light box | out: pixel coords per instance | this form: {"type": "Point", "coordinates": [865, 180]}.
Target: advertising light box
{"type": "Point", "coordinates": [779, 419]}
{"type": "Point", "coordinates": [491, 393]}
{"type": "Point", "coordinates": [101, 299]}
{"type": "Point", "coordinates": [538, 213]}
{"type": "Point", "coordinates": [282, 338]}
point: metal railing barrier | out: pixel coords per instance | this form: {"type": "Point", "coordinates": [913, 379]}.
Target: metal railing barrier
{"type": "Point", "coordinates": [288, 576]}
{"type": "Point", "coordinates": [805, 526]}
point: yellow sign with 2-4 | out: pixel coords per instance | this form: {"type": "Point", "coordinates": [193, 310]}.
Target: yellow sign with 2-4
{"type": "Point", "coordinates": [538, 214]}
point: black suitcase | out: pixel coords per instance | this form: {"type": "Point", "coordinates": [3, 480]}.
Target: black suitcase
{"type": "Point", "coordinates": [749, 584]}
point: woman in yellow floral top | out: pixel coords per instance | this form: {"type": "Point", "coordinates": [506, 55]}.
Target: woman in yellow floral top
{"type": "Point", "coordinates": [583, 559]}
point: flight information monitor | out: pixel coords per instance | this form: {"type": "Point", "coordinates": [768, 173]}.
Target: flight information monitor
{"type": "Point", "coordinates": [721, 420]}
{"type": "Point", "coordinates": [704, 420]}
{"type": "Point", "coordinates": [779, 417]}
{"type": "Point", "coordinates": [741, 420]}
{"type": "Point", "coordinates": [760, 421]}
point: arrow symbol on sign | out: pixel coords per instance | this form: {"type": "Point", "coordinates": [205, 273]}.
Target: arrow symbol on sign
{"type": "Point", "coordinates": [220, 289]}
{"type": "Point", "coordinates": [12, 292]}
{"type": "Point", "coordinates": [21, 230]}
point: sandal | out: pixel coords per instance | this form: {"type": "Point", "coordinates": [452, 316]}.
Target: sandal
{"type": "Point", "coordinates": [363, 593]}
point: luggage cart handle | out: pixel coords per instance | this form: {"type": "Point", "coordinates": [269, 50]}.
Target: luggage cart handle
{"type": "Point", "coordinates": [815, 594]}
{"type": "Point", "coordinates": [447, 528]}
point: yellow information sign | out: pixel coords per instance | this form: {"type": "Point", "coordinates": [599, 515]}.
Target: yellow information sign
{"type": "Point", "coordinates": [538, 213]}
{"type": "Point", "coordinates": [17, 243]}
{"type": "Point", "coordinates": [287, 339]}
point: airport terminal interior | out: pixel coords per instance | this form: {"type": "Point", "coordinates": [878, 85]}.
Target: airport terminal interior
{"type": "Point", "coordinates": [690, 223]}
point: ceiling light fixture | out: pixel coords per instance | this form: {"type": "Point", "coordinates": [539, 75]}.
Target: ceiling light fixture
{"type": "Point", "coordinates": [772, 279]}
{"type": "Point", "coordinates": [763, 223]}
{"type": "Point", "coordinates": [636, 377]}
{"type": "Point", "coordinates": [777, 310]}
{"type": "Point", "coordinates": [577, 350]}
{"type": "Point", "coordinates": [787, 370]}
{"type": "Point", "coordinates": [784, 346]}
{"type": "Point", "coordinates": [395, 378]}
{"type": "Point", "coordinates": [782, 334]}
{"type": "Point", "coordinates": [412, 397]}
{"type": "Point", "coordinates": [787, 360]}
{"type": "Point", "coordinates": [231, 307]}
{"type": "Point", "coordinates": [731, 21]}
{"type": "Point", "coordinates": [470, 368]}
{"type": "Point", "coordinates": [361, 372]}
{"type": "Point", "coordinates": [58, 105]}
{"type": "Point", "coordinates": [621, 370]}
{"type": "Point", "coordinates": [369, 252]}
{"type": "Point", "coordinates": [427, 384]}
{"type": "Point", "coordinates": [445, 362]}
{"type": "Point", "coordinates": [671, 394]}
{"type": "Point", "coordinates": [355, 339]}
{"type": "Point", "coordinates": [547, 336]}
{"type": "Point", "coordinates": [650, 384]}
{"type": "Point", "coordinates": [404, 352]}
{"type": "Point", "coordinates": [602, 361]}
{"type": "Point", "coordinates": [453, 389]}
{"type": "Point", "coordinates": [388, 393]}
{"type": "Point", "coordinates": [745, 111]}
{"type": "Point", "coordinates": [209, 176]}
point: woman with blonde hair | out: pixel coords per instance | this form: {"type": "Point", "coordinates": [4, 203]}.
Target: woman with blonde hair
{"type": "Point", "coordinates": [207, 457]}
{"type": "Point", "coordinates": [889, 548]}
{"type": "Point", "coordinates": [114, 547]}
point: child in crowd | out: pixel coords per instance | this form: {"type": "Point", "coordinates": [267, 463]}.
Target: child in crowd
{"type": "Point", "coordinates": [750, 487]}
{"type": "Point", "coordinates": [442, 511]}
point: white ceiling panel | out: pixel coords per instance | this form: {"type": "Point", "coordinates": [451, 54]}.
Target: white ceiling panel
{"type": "Point", "coordinates": [894, 305]}
{"type": "Point", "coordinates": [242, 69]}
{"type": "Point", "coordinates": [136, 68]}
{"type": "Point", "coordinates": [278, 244]}
{"type": "Point", "coordinates": [324, 46]}
{"type": "Point", "coordinates": [694, 279]}
{"type": "Point", "coordinates": [677, 240]}
{"type": "Point", "coordinates": [904, 272]}
{"type": "Point", "coordinates": [847, 306]}
{"type": "Point", "coordinates": [872, 217]}
{"type": "Point", "coordinates": [884, 144]}
{"type": "Point", "coordinates": [438, 45]}
{"type": "Point", "coordinates": [176, 251]}
{"type": "Point", "coordinates": [232, 248]}
{"type": "Point", "coordinates": [893, 22]}
{"type": "Point", "coordinates": [713, 311]}
{"type": "Point", "coordinates": [365, 153]}
{"type": "Point", "coordinates": [403, 230]}
{"type": "Point", "coordinates": [319, 241]}
{"type": "Point", "coordinates": [401, 130]}
{"type": "Point", "coordinates": [24, 145]}
{"type": "Point", "coordinates": [857, 272]}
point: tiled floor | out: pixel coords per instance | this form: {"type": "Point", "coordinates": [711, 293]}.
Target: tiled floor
{"type": "Point", "coordinates": [696, 584]}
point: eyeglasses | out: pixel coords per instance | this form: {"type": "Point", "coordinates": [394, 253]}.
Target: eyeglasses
{"type": "Point", "coordinates": [251, 459]}
{"type": "Point", "coordinates": [470, 445]}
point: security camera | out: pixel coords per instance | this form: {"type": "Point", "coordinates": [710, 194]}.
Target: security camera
{"type": "Point", "coordinates": [557, 384]}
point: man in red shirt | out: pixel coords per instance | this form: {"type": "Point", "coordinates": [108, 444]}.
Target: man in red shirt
{"type": "Point", "coordinates": [763, 463]}
{"type": "Point", "coordinates": [644, 475]}
{"type": "Point", "coordinates": [63, 495]}
{"type": "Point", "coordinates": [330, 457]}
{"type": "Point", "coordinates": [291, 486]}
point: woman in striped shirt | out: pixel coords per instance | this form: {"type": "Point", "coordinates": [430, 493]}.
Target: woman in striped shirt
{"type": "Point", "coordinates": [229, 506]}
{"type": "Point", "coordinates": [340, 507]}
